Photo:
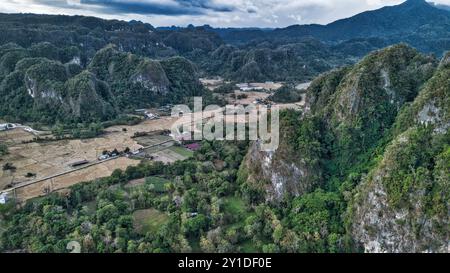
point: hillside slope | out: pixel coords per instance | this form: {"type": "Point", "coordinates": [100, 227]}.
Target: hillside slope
{"type": "Point", "coordinates": [403, 204]}
{"type": "Point", "coordinates": [45, 84]}
{"type": "Point", "coordinates": [352, 109]}
{"type": "Point", "coordinates": [416, 22]}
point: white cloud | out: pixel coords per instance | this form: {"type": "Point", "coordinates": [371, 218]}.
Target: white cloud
{"type": "Point", "coordinates": [245, 13]}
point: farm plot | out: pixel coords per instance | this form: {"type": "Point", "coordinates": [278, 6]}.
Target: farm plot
{"type": "Point", "coordinates": [168, 156]}
{"type": "Point", "coordinates": [15, 136]}
{"type": "Point", "coordinates": [147, 141]}
{"type": "Point", "coordinates": [246, 98]}
{"type": "Point", "coordinates": [34, 161]}
{"type": "Point", "coordinates": [149, 220]}
{"type": "Point", "coordinates": [146, 126]}
{"type": "Point", "coordinates": [83, 175]}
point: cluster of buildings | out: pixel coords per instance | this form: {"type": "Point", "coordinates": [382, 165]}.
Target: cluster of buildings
{"type": "Point", "coordinates": [10, 126]}
{"type": "Point", "coordinates": [245, 87]}
{"type": "Point", "coordinates": [266, 86]}
{"type": "Point", "coordinates": [147, 114]}
{"type": "Point", "coordinates": [7, 126]}
{"type": "Point", "coordinates": [4, 198]}
{"type": "Point", "coordinates": [166, 108]}
{"type": "Point", "coordinates": [108, 155]}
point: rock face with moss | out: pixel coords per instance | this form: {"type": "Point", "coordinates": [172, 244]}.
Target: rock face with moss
{"type": "Point", "coordinates": [378, 134]}
{"type": "Point", "coordinates": [350, 110]}
{"type": "Point", "coordinates": [403, 204]}
{"type": "Point", "coordinates": [383, 124]}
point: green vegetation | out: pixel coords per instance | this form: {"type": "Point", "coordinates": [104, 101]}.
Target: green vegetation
{"type": "Point", "coordinates": [112, 83]}
{"type": "Point", "coordinates": [412, 174]}
{"type": "Point", "coordinates": [157, 184]}
{"type": "Point", "coordinates": [286, 94]}
{"type": "Point", "coordinates": [226, 88]}
{"type": "Point", "coordinates": [363, 129]}
{"type": "Point", "coordinates": [149, 220]}
{"type": "Point", "coordinates": [182, 151]}
{"type": "Point", "coordinates": [234, 206]}
{"type": "Point", "coordinates": [3, 149]}
{"type": "Point", "coordinates": [374, 147]}
{"type": "Point", "coordinates": [196, 200]}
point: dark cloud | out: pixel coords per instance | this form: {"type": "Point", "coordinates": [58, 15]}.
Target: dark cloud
{"type": "Point", "coordinates": [115, 6]}
{"type": "Point", "coordinates": [206, 4]}
{"type": "Point", "coordinates": [177, 7]}
{"type": "Point", "coordinates": [56, 3]}
{"type": "Point", "coordinates": [180, 7]}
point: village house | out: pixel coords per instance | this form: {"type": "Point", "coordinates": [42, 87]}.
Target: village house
{"type": "Point", "coordinates": [6, 126]}
{"type": "Point", "coordinates": [248, 87]}
{"type": "Point", "coordinates": [4, 198]}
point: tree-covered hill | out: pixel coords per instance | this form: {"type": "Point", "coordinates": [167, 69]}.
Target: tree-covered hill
{"type": "Point", "coordinates": [90, 34]}
{"type": "Point", "coordinates": [416, 22]}
{"type": "Point", "coordinates": [382, 124]}
{"type": "Point", "coordinates": [84, 36]}
{"type": "Point", "coordinates": [351, 110]}
{"type": "Point", "coordinates": [300, 61]}
{"type": "Point", "coordinates": [403, 203]}
{"type": "Point", "coordinates": [294, 53]}
{"type": "Point", "coordinates": [45, 83]}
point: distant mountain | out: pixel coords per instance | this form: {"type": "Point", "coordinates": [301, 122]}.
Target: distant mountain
{"type": "Point", "coordinates": [404, 19]}
{"type": "Point", "coordinates": [441, 6]}
{"type": "Point", "coordinates": [416, 22]}
{"type": "Point", "coordinates": [90, 34]}
{"type": "Point", "coordinates": [295, 53]}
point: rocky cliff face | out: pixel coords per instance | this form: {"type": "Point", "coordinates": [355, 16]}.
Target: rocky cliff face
{"type": "Point", "coordinates": [152, 77]}
{"type": "Point", "coordinates": [88, 97]}
{"type": "Point", "coordinates": [381, 225]}
{"type": "Point", "coordinates": [394, 104]}
{"type": "Point", "coordinates": [111, 65]}
{"type": "Point", "coordinates": [403, 205]}
{"type": "Point", "coordinates": [352, 108]}
{"type": "Point", "coordinates": [278, 173]}
{"type": "Point", "coordinates": [42, 89]}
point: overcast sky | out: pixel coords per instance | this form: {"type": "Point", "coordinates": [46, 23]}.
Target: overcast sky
{"type": "Point", "coordinates": [217, 13]}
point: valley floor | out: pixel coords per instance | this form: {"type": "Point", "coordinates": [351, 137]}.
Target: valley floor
{"type": "Point", "coordinates": [47, 166]}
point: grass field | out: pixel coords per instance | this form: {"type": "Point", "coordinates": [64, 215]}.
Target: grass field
{"type": "Point", "coordinates": [149, 220]}
{"type": "Point", "coordinates": [234, 206]}
{"type": "Point", "coordinates": [46, 159]}
{"type": "Point", "coordinates": [158, 182]}
{"type": "Point", "coordinates": [182, 151]}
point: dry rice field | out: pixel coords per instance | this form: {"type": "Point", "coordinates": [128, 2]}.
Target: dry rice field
{"type": "Point", "coordinates": [47, 159]}
{"type": "Point", "coordinates": [88, 174]}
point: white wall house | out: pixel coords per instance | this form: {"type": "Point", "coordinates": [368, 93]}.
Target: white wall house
{"type": "Point", "coordinates": [3, 198]}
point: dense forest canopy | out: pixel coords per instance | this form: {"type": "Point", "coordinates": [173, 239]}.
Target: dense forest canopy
{"type": "Point", "coordinates": [293, 53]}
{"type": "Point", "coordinates": [45, 83]}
